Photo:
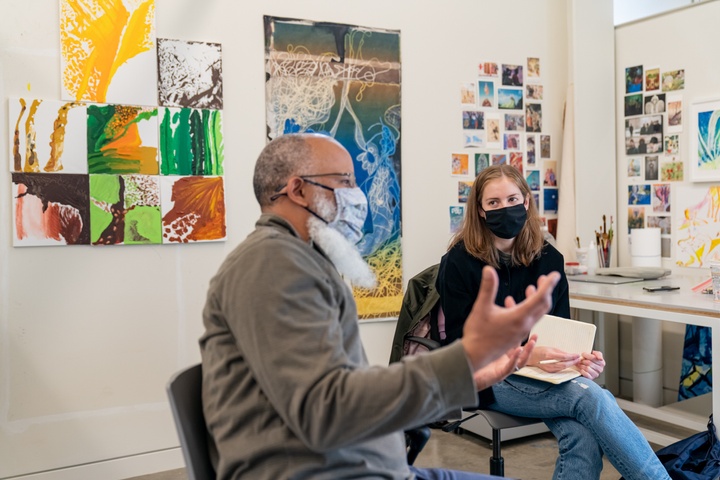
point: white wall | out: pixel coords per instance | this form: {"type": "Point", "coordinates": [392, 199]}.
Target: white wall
{"type": "Point", "coordinates": [89, 336]}
{"type": "Point", "coordinates": [681, 39]}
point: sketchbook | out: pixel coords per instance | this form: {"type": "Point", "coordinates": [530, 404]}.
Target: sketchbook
{"type": "Point", "coordinates": [568, 335]}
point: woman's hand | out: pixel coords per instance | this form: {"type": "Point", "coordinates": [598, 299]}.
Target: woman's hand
{"type": "Point", "coordinates": [591, 365]}
{"type": "Point", "coordinates": [553, 360]}
{"type": "Point", "coordinates": [510, 362]}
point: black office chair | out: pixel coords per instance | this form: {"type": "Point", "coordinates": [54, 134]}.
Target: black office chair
{"type": "Point", "coordinates": [185, 393]}
{"type": "Point", "coordinates": [420, 312]}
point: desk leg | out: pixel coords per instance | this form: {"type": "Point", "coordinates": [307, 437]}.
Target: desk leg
{"type": "Point", "coordinates": [647, 361]}
{"type": "Point", "coordinates": [606, 341]}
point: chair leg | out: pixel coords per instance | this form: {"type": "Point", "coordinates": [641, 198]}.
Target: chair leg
{"type": "Point", "coordinates": [497, 464]}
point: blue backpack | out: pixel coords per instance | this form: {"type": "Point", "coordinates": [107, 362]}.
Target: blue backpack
{"type": "Point", "coordinates": [694, 458]}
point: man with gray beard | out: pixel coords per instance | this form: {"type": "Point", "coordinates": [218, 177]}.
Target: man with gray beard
{"type": "Point", "coordinates": [287, 389]}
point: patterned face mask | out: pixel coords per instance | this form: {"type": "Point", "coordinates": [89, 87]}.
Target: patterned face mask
{"type": "Point", "coordinates": [352, 208]}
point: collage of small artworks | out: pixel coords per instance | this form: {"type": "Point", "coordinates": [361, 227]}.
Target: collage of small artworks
{"type": "Point", "coordinates": [653, 107]}
{"type": "Point", "coordinates": [502, 123]}
{"type": "Point", "coordinates": [133, 151]}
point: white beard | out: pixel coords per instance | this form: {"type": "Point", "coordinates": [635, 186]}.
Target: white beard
{"type": "Point", "coordinates": [346, 258]}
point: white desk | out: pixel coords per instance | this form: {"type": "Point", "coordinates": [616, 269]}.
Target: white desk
{"type": "Point", "coordinates": [681, 306]}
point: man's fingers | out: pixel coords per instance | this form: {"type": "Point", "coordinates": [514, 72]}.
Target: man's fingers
{"type": "Point", "coordinates": [488, 289]}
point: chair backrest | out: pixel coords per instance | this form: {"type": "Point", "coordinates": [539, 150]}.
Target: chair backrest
{"type": "Point", "coordinates": [185, 393]}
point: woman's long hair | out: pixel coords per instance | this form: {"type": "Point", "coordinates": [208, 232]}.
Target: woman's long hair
{"type": "Point", "coordinates": [477, 237]}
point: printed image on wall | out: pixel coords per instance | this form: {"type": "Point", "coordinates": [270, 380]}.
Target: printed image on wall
{"type": "Point", "coordinates": [47, 136]}
{"type": "Point", "coordinates": [193, 209]}
{"type": "Point", "coordinates": [696, 222]}
{"type": "Point", "coordinates": [108, 51]}
{"type": "Point", "coordinates": [191, 142]}
{"type": "Point", "coordinates": [125, 209]}
{"type": "Point", "coordinates": [189, 74]}
{"type": "Point", "coordinates": [50, 209]}
{"type": "Point", "coordinates": [344, 81]}
{"type": "Point", "coordinates": [122, 139]}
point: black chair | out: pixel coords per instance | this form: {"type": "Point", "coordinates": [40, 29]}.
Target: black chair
{"type": "Point", "coordinates": [498, 421]}
{"type": "Point", "coordinates": [420, 312]}
{"type": "Point", "coordinates": [185, 394]}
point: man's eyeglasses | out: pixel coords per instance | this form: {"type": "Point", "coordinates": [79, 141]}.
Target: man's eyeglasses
{"type": "Point", "coordinates": [350, 182]}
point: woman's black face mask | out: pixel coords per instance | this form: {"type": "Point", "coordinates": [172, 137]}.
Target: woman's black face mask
{"type": "Point", "coordinates": [506, 222]}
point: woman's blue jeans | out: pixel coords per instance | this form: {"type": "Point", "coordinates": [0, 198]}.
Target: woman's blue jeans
{"type": "Point", "coordinates": [587, 422]}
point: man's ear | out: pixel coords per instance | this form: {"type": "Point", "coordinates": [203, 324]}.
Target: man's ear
{"type": "Point", "coordinates": [296, 191]}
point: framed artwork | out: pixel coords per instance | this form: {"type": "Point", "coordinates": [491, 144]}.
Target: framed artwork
{"type": "Point", "coordinates": [704, 154]}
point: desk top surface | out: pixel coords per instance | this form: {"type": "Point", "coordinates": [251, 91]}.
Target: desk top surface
{"type": "Point", "coordinates": [632, 294]}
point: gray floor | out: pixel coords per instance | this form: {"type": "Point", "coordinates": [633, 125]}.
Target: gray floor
{"type": "Point", "coordinates": [530, 458]}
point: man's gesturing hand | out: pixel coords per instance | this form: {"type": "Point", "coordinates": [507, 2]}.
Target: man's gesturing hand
{"type": "Point", "coordinates": [490, 330]}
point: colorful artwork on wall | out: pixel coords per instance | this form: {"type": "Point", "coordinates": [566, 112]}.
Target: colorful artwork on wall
{"type": "Point", "coordinates": [696, 223]}
{"type": "Point", "coordinates": [344, 81]}
{"type": "Point", "coordinates": [705, 141]}
{"type": "Point", "coordinates": [122, 139]}
{"type": "Point", "coordinates": [189, 74]}
{"type": "Point", "coordinates": [47, 136]}
{"type": "Point", "coordinates": [125, 209]}
{"type": "Point", "coordinates": [191, 142]}
{"type": "Point", "coordinates": [108, 51]}
{"type": "Point", "coordinates": [50, 209]}
{"type": "Point", "coordinates": [193, 209]}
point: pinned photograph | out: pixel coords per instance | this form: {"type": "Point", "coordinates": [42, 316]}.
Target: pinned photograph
{"type": "Point", "coordinates": [488, 69]}
{"type": "Point", "coordinates": [533, 179]}
{"type": "Point", "coordinates": [644, 135]}
{"type": "Point", "coordinates": [634, 167]}
{"type": "Point", "coordinates": [639, 194]}
{"type": "Point", "coordinates": [672, 144]}
{"type": "Point", "coordinates": [634, 79]}
{"type": "Point", "coordinates": [533, 117]}
{"type": "Point", "coordinates": [516, 160]}
{"type": "Point", "coordinates": [482, 161]}
{"type": "Point", "coordinates": [499, 159]}
{"type": "Point", "coordinates": [486, 98]}
{"type": "Point", "coordinates": [464, 188]}
{"type": "Point", "coordinates": [534, 92]}
{"type": "Point", "coordinates": [660, 221]}
{"type": "Point", "coordinates": [511, 141]}
{"type": "Point", "coordinates": [674, 113]}
{"type": "Point", "coordinates": [655, 103]}
{"type": "Point", "coordinates": [651, 168]}
{"type": "Point", "coordinates": [550, 178]}
{"type": "Point", "coordinates": [467, 94]}
{"type": "Point", "coordinates": [533, 67]}
{"type": "Point", "coordinates": [550, 200]}
{"type": "Point", "coordinates": [510, 99]}
{"type": "Point", "coordinates": [544, 146]}
{"type": "Point", "coordinates": [672, 171]}
{"type": "Point", "coordinates": [492, 127]}
{"type": "Point", "coordinates": [530, 143]}
{"type": "Point", "coordinates": [636, 218]}
{"type": "Point", "coordinates": [457, 213]}
{"type": "Point", "coordinates": [652, 79]}
{"type": "Point", "coordinates": [459, 163]}
{"type": "Point", "coordinates": [633, 105]}
{"type": "Point", "coordinates": [512, 75]}
{"type": "Point", "coordinates": [514, 122]}
{"type": "Point", "coordinates": [472, 120]}
{"type": "Point", "coordinates": [674, 80]}
{"type": "Point", "coordinates": [473, 138]}
{"type": "Point", "coordinates": [661, 197]}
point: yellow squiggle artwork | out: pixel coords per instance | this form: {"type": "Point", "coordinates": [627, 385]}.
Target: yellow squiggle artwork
{"type": "Point", "coordinates": [699, 227]}
{"type": "Point", "coordinates": [97, 38]}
